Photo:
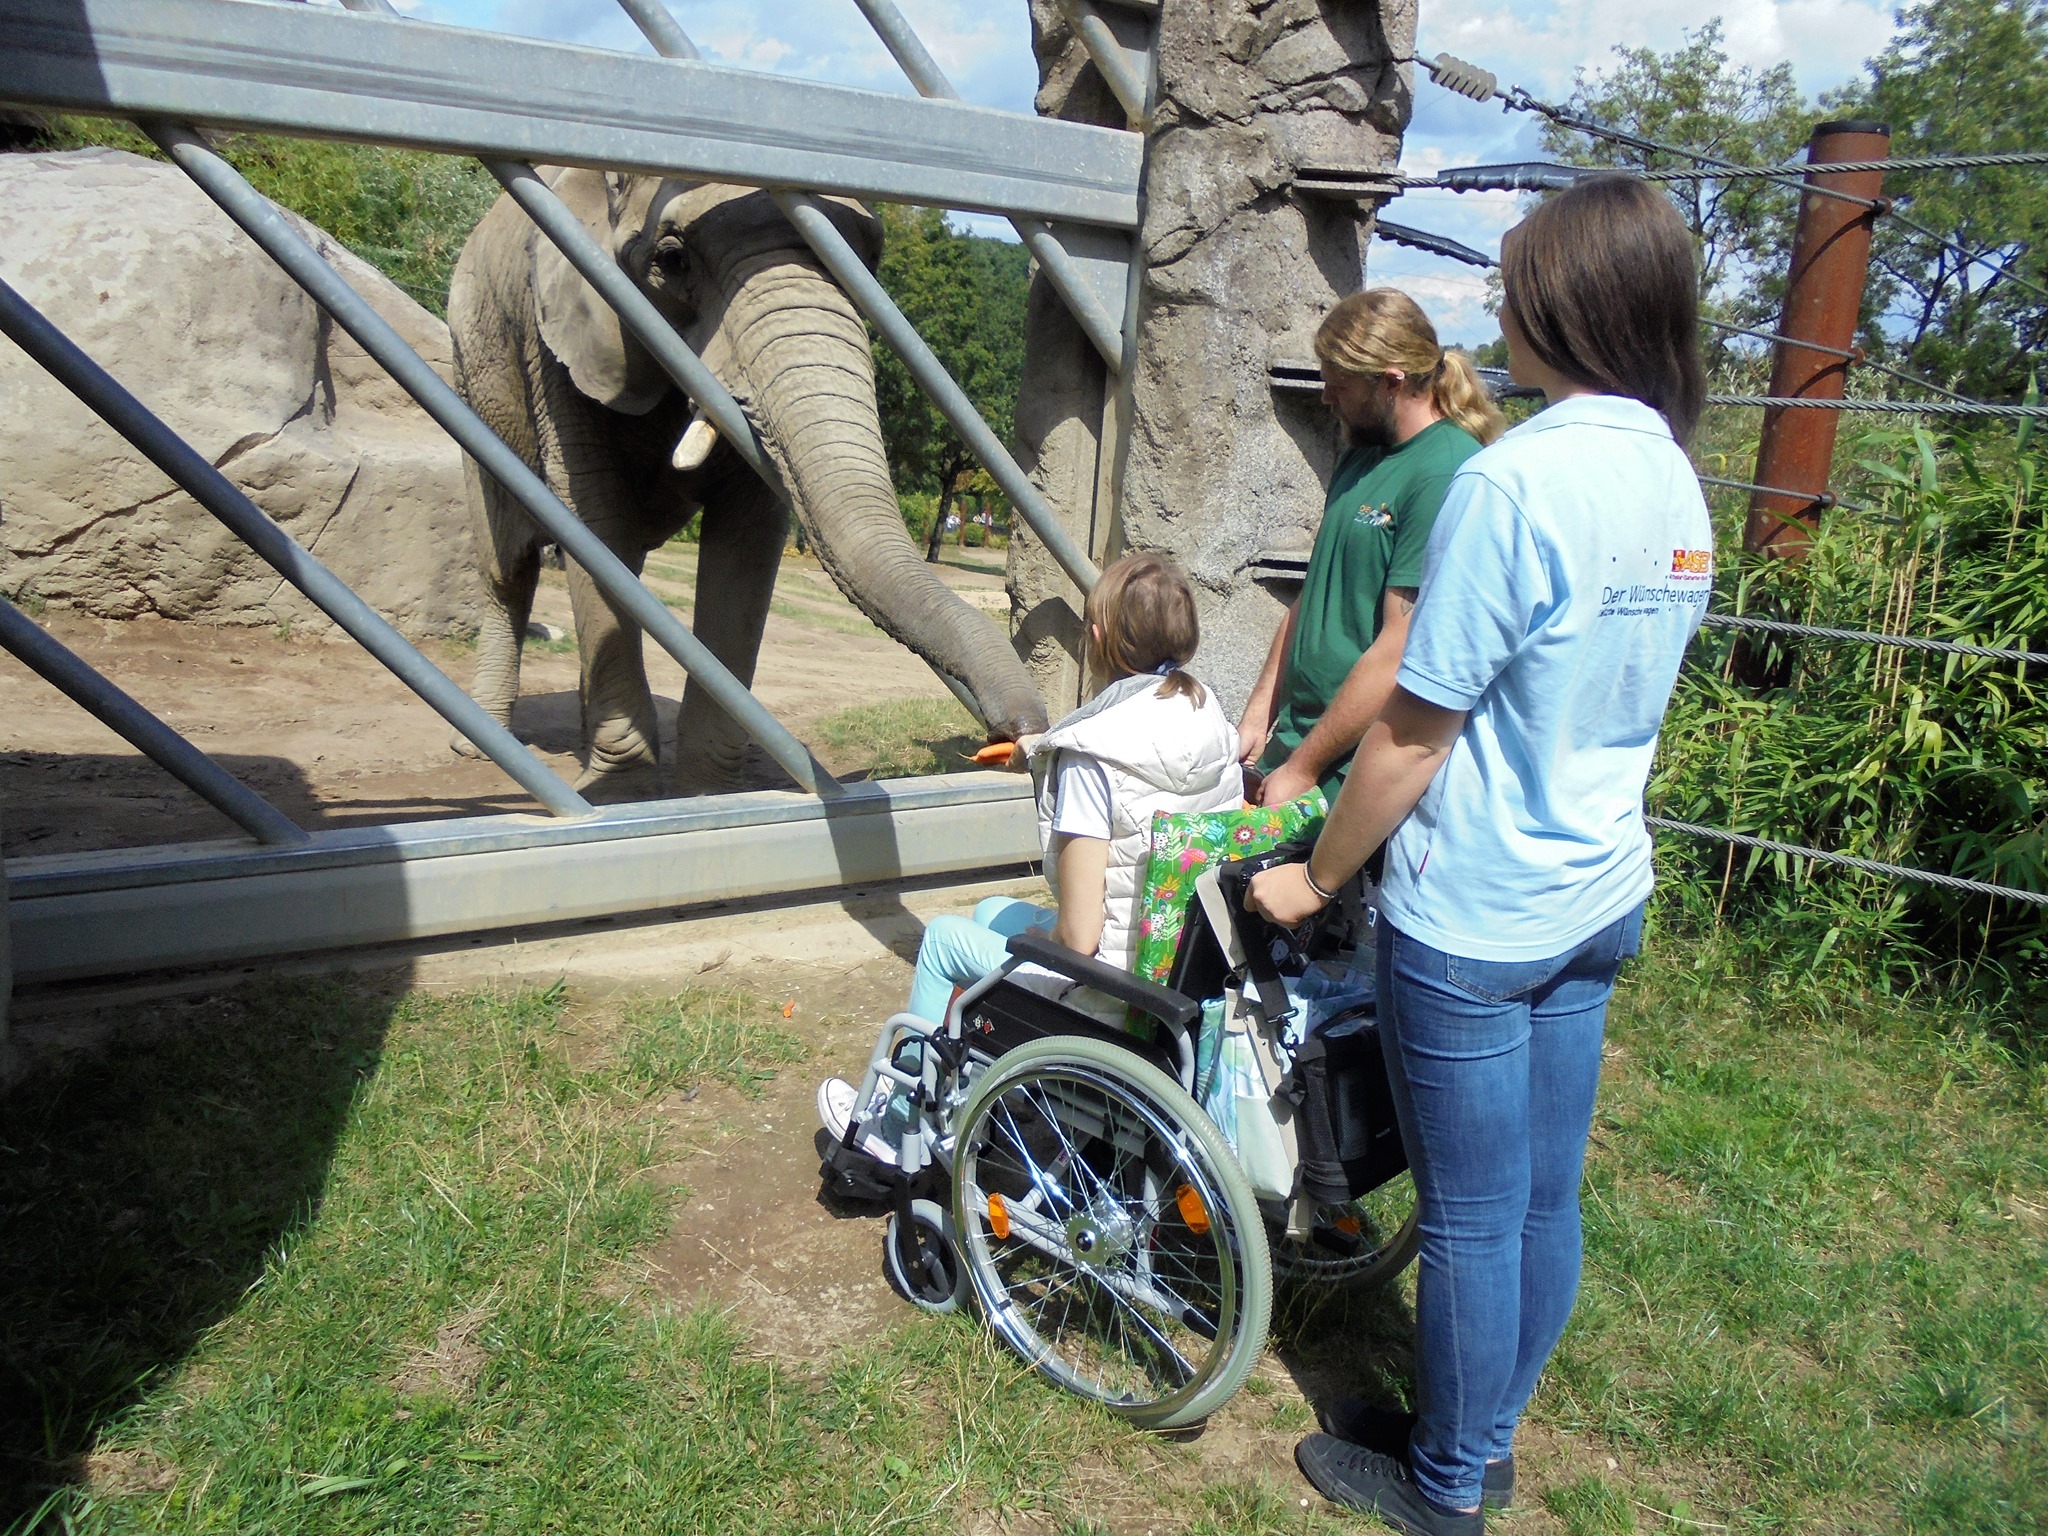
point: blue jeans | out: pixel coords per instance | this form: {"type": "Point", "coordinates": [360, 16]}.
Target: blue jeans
{"type": "Point", "coordinates": [1493, 1065]}
{"type": "Point", "coordinates": [956, 951]}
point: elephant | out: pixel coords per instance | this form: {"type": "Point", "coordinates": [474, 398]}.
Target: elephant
{"type": "Point", "coordinates": [550, 368]}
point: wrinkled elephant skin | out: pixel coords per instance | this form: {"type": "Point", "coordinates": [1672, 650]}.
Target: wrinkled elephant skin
{"type": "Point", "coordinates": [548, 365]}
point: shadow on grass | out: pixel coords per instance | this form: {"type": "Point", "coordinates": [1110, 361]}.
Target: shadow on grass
{"type": "Point", "coordinates": [141, 1190]}
{"type": "Point", "coordinates": [1347, 1343]}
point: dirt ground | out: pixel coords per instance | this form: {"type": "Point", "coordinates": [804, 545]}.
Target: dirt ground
{"type": "Point", "coordinates": [315, 725]}
{"type": "Point", "coordinates": [754, 1235]}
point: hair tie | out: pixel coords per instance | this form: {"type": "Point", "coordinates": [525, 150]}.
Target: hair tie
{"type": "Point", "coordinates": [1166, 669]}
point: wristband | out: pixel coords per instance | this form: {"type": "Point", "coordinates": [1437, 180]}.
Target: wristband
{"type": "Point", "coordinates": [1308, 873]}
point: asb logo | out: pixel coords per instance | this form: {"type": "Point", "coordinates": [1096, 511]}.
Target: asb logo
{"type": "Point", "coordinates": [1692, 562]}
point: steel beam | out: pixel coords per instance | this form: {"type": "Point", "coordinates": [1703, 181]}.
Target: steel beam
{"type": "Point", "coordinates": [269, 229]}
{"type": "Point", "coordinates": [69, 673]}
{"type": "Point", "coordinates": [106, 914]}
{"type": "Point", "coordinates": [332, 74]}
{"type": "Point", "coordinates": [851, 273]}
{"type": "Point", "coordinates": [30, 330]}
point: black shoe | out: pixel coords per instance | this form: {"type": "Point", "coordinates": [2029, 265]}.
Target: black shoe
{"type": "Point", "coordinates": [1386, 1430]}
{"type": "Point", "coordinates": [1351, 1475]}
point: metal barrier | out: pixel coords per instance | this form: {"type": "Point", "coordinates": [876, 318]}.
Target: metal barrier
{"type": "Point", "coordinates": [369, 75]}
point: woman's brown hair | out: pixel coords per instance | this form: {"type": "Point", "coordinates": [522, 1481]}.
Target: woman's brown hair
{"type": "Point", "coordinates": [1602, 283]}
{"type": "Point", "coordinates": [1383, 330]}
{"type": "Point", "coordinates": [1144, 609]}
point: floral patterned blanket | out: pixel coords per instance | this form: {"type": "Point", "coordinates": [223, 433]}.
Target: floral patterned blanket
{"type": "Point", "coordinates": [1185, 844]}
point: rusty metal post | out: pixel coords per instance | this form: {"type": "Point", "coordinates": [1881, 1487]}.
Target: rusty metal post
{"type": "Point", "coordinates": [1823, 299]}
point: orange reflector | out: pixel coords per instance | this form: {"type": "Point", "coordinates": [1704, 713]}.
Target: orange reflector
{"type": "Point", "coordinates": [998, 1217]}
{"type": "Point", "coordinates": [1348, 1225]}
{"type": "Point", "coordinates": [1192, 1211]}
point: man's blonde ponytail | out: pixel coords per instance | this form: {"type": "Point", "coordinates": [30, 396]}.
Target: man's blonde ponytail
{"type": "Point", "coordinates": [1463, 398]}
{"type": "Point", "coordinates": [1382, 329]}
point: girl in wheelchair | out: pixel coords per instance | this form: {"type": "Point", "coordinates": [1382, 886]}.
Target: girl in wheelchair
{"type": "Point", "coordinates": [1153, 739]}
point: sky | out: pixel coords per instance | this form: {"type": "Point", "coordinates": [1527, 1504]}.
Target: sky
{"type": "Point", "coordinates": [1542, 45]}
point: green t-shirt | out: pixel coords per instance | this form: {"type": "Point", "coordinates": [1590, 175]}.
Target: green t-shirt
{"type": "Point", "coordinates": [1376, 523]}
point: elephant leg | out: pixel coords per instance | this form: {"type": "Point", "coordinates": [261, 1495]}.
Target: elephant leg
{"type": "Point", "coordinates": [511, 572]}
{"type": "Point", "coordinates": [738, 551]}
{"type": "Point", "coordinates": [622, 752]}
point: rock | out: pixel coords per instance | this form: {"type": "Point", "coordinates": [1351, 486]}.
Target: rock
{"type": "Point", "coordinates": [139, 268]}
{"type": "Point", "coordinates": [1237, 271]}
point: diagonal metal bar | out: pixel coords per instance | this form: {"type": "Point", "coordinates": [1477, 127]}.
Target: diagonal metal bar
{"type": "Point", "coordinates": [267, 227]}
{"type": "Point", "coordinates": [654, 19]}
{"type": "Point", "coordinates": [30, 330]}
{"type": "Point", "coordinates": [852, 274]}
{"type": "Point", "coordinates": [72, 675]}
{"type": "Point", "coordinates": [1131, 90]}
{"type": "Point", "coordinates": [924, 73]}
{"type": "Point", "coordinates": [318, 73]}
{"type": "Point", "coordinates": [903, 43]}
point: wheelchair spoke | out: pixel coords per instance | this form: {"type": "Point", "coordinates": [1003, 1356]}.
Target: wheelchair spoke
{"type": "Point", "coordinates": [1072, 1187]}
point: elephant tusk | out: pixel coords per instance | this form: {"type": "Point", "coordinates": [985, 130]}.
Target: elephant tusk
{"type": "Point", "coordinates": [696, 443]}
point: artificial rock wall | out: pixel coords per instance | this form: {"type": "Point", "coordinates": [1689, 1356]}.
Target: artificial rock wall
{"type": "Point", "coordinates": [1237, 269]}
{"type": "Point", "coordinates": [139, 267]}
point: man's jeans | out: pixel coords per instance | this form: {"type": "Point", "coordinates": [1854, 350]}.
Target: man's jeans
{"type": "Point", "coordinates": [1494, 1066]}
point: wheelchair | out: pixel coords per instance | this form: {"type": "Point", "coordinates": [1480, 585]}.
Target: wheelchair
{"type": "Point", "coordinates": [1060, 1170]}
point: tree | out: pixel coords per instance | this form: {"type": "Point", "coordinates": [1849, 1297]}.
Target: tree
{"type": "Point", "coordinates": [404, 211]}
{"type": "Point", "coordinates": [1963, 77]}
{"type": "Point", "coordinates": [1695, 97]}
{"type": "Point", "coordinates": [966, 297]}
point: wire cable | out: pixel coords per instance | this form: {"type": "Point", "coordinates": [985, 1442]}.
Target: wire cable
{"type": "Point", "coordinates": [1827, 501]}
{"type": "Point", "coordinates": [1887, 407]}
{"type": "Point", "coordinates": [1476, 84]}
{"type": "Point", "coordinates": [1854, 355]}
{"type": "Point", "coordinates": [1869, 637]}
{"type": "Point", "coordinates": [1849, 861]}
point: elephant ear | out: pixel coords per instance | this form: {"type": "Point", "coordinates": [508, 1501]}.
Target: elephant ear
{"type": "Point", "coordinates": [605, 362]}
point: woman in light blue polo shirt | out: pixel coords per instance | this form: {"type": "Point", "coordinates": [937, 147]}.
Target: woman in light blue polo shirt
{"type": "Point", "coordinates": [1566, 574]}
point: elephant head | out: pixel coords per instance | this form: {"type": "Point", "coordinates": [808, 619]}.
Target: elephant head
{"type": "Point", "coordinates": [731, 274]}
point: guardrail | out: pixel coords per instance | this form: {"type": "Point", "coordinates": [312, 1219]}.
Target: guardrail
{"type": "Point", "coordinates": [367, 74]}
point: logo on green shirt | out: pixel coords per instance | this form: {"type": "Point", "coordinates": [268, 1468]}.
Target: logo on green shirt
{"type": "Point", "coordinates": [1376, 517]}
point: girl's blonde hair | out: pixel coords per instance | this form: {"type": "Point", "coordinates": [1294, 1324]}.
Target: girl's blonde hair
{"type": "Point", "coordinates": [1144, 610]}
{"type": "Point", "coordinates": [1381, 329]}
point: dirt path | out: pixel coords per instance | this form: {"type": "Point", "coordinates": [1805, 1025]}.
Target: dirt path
{"type": "Point", "coordinates": [315, 725]}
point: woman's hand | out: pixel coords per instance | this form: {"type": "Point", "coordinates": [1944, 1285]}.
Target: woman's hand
{"type": "Point", "coordinates": [1281, 895]}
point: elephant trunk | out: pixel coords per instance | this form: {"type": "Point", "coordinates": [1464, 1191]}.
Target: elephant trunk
{"type": "Point", "coordinates": [804, 353]}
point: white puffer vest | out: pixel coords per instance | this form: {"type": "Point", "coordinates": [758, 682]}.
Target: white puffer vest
{"type": "Point", "coordinates": [1160, 755]}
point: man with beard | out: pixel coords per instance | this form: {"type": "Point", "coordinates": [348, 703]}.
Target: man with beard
{"type": "Point", "coordinates": [1412, 413]}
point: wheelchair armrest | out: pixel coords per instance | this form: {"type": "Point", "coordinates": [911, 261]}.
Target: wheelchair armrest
{"type": "Point", "coordinates": [1147, 997]}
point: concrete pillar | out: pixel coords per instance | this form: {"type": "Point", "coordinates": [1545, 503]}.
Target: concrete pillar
{"type": "Point", "coordinates": [1235, 269]}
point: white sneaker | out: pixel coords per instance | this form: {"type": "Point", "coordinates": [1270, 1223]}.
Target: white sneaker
{"type": "Point", "coordinates": [836, 1098]}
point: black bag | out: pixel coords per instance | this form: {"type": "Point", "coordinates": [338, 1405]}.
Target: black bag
{"type": "Point", "coordinates": [1345, 1130]}
{"type": "Point", "coordinates": [1349, 1138]}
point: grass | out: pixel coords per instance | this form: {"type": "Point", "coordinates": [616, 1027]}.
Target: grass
{"type": "Point", "coordinates": [1816, 1293]}
{"type": "Point", "coordinates": [904, 738]}
{"type": "Point", "coordinates": [322, 1257]}
{"type": "Point", "coordinates": [431, 1318]}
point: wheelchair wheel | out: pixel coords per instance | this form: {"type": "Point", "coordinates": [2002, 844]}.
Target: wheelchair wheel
{"type": "Point", "coordinates": [931, 1228]}
{"type": "Point", "coordinates": [1109, 1235]}
{"type": "Point", "coordinates": [1363, 1242]}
